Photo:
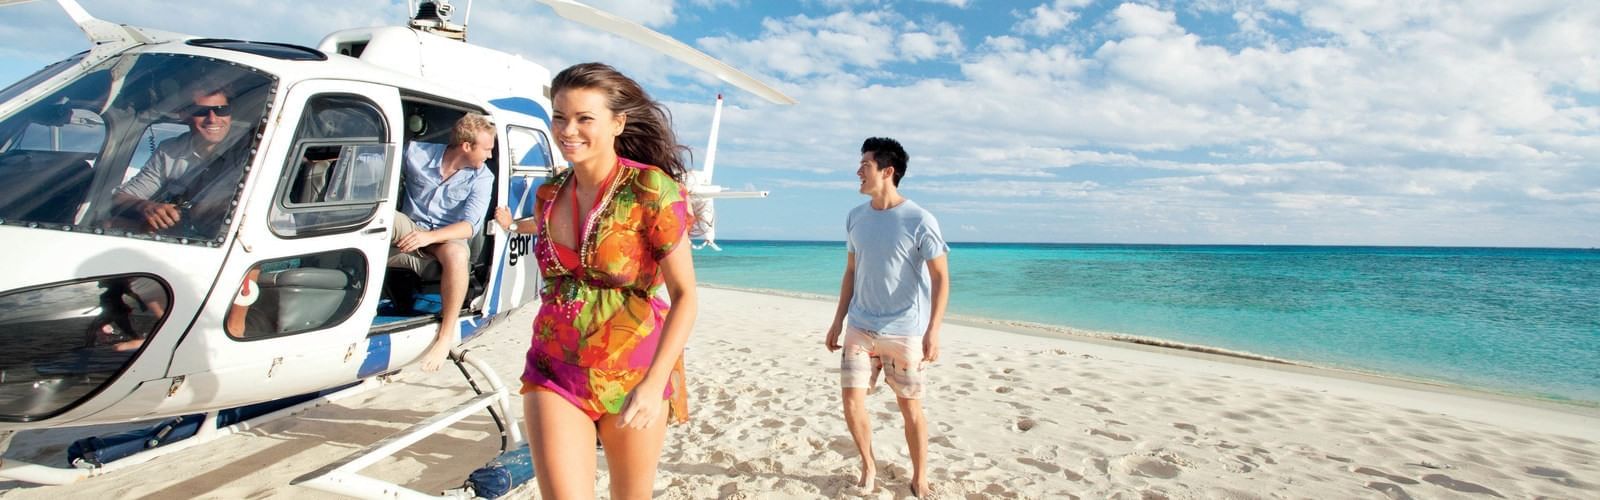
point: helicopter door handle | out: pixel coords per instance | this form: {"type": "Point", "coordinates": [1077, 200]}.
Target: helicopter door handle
{"type": "Point", "coordinates": [376, 230]}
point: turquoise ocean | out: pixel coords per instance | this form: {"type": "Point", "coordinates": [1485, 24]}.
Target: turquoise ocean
{"type": "Point", "coordinates": [1523, 322]}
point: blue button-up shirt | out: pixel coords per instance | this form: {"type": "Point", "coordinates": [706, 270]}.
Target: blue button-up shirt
{"type": "Point", "coordinates": [434, 202]}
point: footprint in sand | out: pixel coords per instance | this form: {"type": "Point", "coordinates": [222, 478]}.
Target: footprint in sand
{"type": "Point", "coordinates": [1047, 467]}
{"type": "Point", "coordinates": [1557, 476]}
{"type": "Point", "coordinates": [1231, 415]}
{"type": "Point", "coordinates": [1460, 486]}
{"type": "Point", "coordinates": [1004, 389]}
{"type": "Point", "coordinates": [1187, 427]}
{"type": "Point", "coordinates": [1062, 390]}
{"type": "Point", "coordinates": [1379, 473]}
{"type": "Point", "coordinates": [1150, 467]}
{"type": "Point", "coordinates": [964, 366]}
{"type": "Point", "coordinates": [1392, 491]}
{"type": "Point", "coordinates": [1109, 435]}
{"type": "Point", "coordinates": [1096, 408]}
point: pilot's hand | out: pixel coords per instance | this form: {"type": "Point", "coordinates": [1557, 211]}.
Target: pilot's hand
{"type": "Point", "coordinates": [502, 216]}
{"type": "Point", "coordinates": [160, 216]}
{"type": "Point", "coordinates": [416, 239]}
{"type": "Point", "coordinates": [435, 356]}
{"type": "Point", "coordinates": [833, 338]}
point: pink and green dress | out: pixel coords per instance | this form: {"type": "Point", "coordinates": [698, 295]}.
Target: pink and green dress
{"type": "Point", "coordinates": [603, 306]}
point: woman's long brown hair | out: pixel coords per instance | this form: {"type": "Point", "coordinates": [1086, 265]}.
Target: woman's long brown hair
{"type": "Point", "coordinates": [648, 136]}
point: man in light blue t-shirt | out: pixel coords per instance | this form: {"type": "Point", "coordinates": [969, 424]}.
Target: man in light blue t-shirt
{"type": "Point", "coordinates": [895, 286]}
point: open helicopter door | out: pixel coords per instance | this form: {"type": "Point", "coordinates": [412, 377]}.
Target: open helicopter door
{"type": "Point", "coordinates": [292, 308]}
{"type": "Point", "coordinates": [531, 163]}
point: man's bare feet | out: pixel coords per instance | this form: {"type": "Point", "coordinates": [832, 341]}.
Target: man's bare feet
{"type": "Point", "coordinates": [869, 474]}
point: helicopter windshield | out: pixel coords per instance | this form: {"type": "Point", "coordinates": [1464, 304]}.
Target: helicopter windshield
{"type": "Point", "coordinates": [142, 145]}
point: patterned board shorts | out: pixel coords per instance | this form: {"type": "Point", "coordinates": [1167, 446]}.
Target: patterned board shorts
{"type": "Point", "coordinates": [898, 357]}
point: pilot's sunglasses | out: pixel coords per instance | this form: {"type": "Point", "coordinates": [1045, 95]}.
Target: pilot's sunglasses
{"type": "Point", "coordinates": [202, 111]}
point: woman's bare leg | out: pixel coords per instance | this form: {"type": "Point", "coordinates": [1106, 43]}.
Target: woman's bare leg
{"type": "Point", "coordinates": [561, 441]}
{"type": "Point", "coordinates": [632, 456]}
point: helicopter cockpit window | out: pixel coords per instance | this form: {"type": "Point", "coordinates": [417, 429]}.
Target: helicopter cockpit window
{"type": "Point", "coordinates": [39, 77]}
{"type": "Point", "coordinates": [336, 178]}
{"type": "Point", "coordinates": [529, 147]}
{"type": "Point", "coordinates": [149, 146]}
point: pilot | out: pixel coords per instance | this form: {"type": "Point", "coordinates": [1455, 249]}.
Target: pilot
{"type": "Point", "coordinates": [169, 182]}
{"type": "Point", "coordinates": [446, 195]}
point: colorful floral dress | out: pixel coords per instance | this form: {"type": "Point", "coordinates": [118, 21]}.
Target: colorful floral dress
{"type": "Point", "coordinates": [599, 324]}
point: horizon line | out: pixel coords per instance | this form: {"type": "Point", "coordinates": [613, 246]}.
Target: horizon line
{"type": "Point", "coordinates": [1070, 243]}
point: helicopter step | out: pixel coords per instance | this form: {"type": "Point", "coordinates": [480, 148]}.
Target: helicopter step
{"type": "Point", "coordinates": [170, 436]}
{"type": "Point", "coordinates": [343, 476]}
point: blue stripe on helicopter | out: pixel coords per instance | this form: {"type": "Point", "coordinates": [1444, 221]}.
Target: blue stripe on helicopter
{"type": "Point", "coordinates": [522, 105]}
{"type": "Point", "coordinates": [377, 359]}
{"type": "Point", "coordinates": [469, 328]}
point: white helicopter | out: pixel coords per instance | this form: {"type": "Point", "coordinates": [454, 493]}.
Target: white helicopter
{"type": "Point", "coordinates": [271, 293]}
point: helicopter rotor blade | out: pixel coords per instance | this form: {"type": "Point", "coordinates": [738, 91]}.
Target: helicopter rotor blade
{"type": "Point", "coordinates": [610, 23]}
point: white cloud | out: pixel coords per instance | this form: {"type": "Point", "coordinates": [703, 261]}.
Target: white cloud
{"type": "Point", "coordinates": [803, 46]}
{"type": "Point", "coordinates": [652, 13]}
{"type": "Point", "coordinates": [1137, 20]}
{"type": "Point", "coordinates": [942, 40]}
{"type": "Point", "coordinates": [1049, 18]}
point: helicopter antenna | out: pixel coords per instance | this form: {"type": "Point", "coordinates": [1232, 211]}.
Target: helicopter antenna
{"type": "Point", "coordinates": [433, 16]}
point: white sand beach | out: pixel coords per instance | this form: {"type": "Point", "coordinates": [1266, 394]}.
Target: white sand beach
{"type": "Point", "coordinates": [1013, 416]}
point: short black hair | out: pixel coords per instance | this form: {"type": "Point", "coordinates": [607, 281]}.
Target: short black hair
{"type": "Point", "coordinates": [887, 152]}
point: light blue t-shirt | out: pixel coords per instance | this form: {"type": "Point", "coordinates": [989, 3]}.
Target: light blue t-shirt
{"type": "Point", "coordinates": [893, 293]}
{"type": "Point", "coordinates": [432, 202]}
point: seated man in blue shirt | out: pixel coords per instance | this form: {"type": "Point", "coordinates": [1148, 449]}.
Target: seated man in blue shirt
{"type": "Point", "coordinates": [446, 195]}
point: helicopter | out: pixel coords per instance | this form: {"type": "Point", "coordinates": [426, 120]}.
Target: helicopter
{"type": "Point", "coordinates": [270, 292]}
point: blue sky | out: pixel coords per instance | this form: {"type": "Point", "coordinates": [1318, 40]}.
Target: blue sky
{"type": "Point", "coordinates": [1211, 121]}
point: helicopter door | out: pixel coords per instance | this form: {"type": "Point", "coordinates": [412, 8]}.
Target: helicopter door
{"type": "Point", "coordinates": [531, 163]}
{"type": "Point", "coordinates": [291, 310]}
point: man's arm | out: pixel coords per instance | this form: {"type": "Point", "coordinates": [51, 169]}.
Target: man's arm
{"type": "Point", "coordinates": [418, 239]}
{"type": "Point", "coordinates": [469, 219]}
{"type": "Point", "coordinates": [939, 276]}
{"type": "Point", "coordinates": [847, 291]}
{"type": "Point", "coordinates": [134, 195]}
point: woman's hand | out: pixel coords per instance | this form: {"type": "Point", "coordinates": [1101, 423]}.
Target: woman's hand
{"type": "Point", "coordinates": [502, 216]}
{"type": "Point", "coordinates": [645, 406]}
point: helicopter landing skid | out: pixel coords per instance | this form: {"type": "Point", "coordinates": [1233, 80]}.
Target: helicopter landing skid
{"type": "Point", "coordinates": [208, 431]}
{"type": "Point", "coordinates": [343, 476]}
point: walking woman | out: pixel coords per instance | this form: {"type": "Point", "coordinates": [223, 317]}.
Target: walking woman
{"type": "Point", "coordinates": [606, 358]}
